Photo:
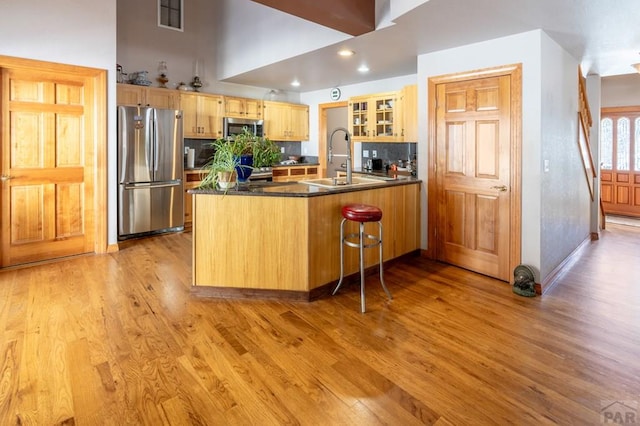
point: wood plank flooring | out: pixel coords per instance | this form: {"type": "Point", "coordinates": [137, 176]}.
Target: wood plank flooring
{"type": "Point", "coordinates": [118, 340]}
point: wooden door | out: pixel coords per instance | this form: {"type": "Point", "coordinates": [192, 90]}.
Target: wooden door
{"type": "Point", "coordinates": [47, 166]}
{"type": "Point", "coordinates": [473, 166]}
{"type": "Point", "coordinates": [620, 161]}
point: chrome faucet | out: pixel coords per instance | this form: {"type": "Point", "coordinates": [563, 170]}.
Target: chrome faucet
{"type": "Point", "coordinates": [347, 137]}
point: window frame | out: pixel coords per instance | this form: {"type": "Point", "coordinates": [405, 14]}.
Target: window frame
{"type": "Point", "coordinates": [162, 25]}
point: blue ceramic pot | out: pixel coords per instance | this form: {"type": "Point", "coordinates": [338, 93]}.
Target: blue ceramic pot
{"type": "Point", "coordinates": [244, 167]}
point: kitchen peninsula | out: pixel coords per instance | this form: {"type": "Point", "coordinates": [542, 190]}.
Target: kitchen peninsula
{"type": "Point", "coordinates": [282, 240]}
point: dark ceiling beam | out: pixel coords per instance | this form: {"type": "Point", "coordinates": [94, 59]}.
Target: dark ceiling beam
{"type": "Point", "coordinates": [355, 17]}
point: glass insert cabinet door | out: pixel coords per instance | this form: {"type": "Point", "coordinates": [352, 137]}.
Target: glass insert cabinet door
{"type": "Point", "coordinates": [620, 162]}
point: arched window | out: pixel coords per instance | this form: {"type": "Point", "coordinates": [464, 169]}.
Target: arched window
{"type": "Point", "coordinates": [606, 144]}
{"type": "Point", "coordinates": [623, 145]}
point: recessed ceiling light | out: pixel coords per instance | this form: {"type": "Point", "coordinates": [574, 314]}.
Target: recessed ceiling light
{"type": "Point", "coordinates": [363, 68]}
{"type": "Point", "coordinates": [346, 53]}
{"type": "Point", "coordinates": [295, 83]}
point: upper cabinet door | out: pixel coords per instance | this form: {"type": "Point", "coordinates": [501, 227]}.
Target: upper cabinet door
{"type": "Point", "coordinates": [242, 108]}
{"type": "Point", "coordinates": [376, 118]}
{"type": "Point", "coordinates": [286, 122]}
{"type": "Point", "coordinates": [202, 115]}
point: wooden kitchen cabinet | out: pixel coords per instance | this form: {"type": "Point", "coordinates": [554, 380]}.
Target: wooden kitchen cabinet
{"type": "Point", "coordinates": [242, 108]}
{"type": "Point", "coordinates": [286, 122]}
{"type": "Point", "coordinates": [202, 115]}
{"type": "Point", "coordinates": [410, 112]}
{"type": "Point", "coordinates": [295, 173]}
{"type": "Point", "coordinates": [376, 118]}
{"type": "Point", "coordinates": [192, 179]}
{"type": "Point", "coordinates": [132, 95]}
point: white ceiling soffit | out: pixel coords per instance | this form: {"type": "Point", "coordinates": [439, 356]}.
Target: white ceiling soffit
{"type": "Point", "coordinates": [601, 34]}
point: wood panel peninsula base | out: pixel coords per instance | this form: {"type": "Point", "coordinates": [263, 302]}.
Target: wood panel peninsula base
{"type": "Point", "coordinates": [282, 241]}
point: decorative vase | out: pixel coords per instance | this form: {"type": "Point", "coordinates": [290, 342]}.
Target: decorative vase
{"type": "Point", "coordinates": [244, 167]}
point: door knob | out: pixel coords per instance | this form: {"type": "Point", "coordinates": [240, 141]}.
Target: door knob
{"type": "Point", "coordinates": [4, 178]}
{"type": "Point", "coordinates": [501, 188]}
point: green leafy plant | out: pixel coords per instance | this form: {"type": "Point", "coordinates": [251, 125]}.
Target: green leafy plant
{"type": "Point", "coordinates": [265, 153]}
{"type": "Point", "coordinates": [227, 154]}
{"type": "Point", "coordinates": [222, 166]}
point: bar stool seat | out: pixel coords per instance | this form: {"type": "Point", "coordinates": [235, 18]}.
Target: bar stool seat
{"type": "Point", "coordinates": [361, 213]}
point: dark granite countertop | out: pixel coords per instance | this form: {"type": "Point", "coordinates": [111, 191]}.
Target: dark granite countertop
{"type": "Point", "coordinates": [275, 166]}
{"type": "Point", "coordinates": [297, 189]}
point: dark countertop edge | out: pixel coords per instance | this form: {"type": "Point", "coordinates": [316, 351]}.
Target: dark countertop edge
{"type": "Point", "coordinates": [303, 188]}
{"type": "Point", "coordinates": [277, 166]}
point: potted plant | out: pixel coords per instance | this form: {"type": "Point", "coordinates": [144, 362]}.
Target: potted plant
{"type": "Point", "coordinates": [265, 153]}
{"type": "Point", "coordinates": [231, 162]}
{"type": "Point", "coordinates": [222, 166]}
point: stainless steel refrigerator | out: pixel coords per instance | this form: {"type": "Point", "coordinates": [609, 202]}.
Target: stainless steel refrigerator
{"type": "Point", "coordinates": [150, 170]}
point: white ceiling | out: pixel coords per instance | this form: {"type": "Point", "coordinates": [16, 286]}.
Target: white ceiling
{"type": "Point", "coordinates": [604, 35]}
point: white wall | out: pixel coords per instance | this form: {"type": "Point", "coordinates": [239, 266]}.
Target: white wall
{"type": "Point", "coordinates": [537, 53]}
{"type": "Point", "coordinates": [594, 94]}
{"type": "Point", "coordinates": [70, 32]}
{"type": "Point", "coordinates": [142, 45]}
{"type": "Point", "coordinates": [565, 202]}
{"type": "Point", "coordinates": [621, 90]}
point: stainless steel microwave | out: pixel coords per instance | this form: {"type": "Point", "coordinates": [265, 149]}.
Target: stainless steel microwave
{"type": "Point", "coordinates": [236, 126]}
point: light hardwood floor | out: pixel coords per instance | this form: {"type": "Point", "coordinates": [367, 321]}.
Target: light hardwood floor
{"type": "Point", "coordinates": [117, 339]}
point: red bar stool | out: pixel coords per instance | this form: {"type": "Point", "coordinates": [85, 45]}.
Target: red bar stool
{"type": "Point", "coordinates": [361, 213]}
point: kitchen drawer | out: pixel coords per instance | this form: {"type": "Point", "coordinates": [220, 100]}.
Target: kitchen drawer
{"type": "Point", "coordinates": [294, 173]}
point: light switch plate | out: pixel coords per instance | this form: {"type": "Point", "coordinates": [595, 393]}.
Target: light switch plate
{"type": "Point", "coordinates": [374, 153]}
{"type": "Point", "coordinates": [365, 153]}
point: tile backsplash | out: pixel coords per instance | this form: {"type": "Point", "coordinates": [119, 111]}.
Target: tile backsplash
{"type": "Point", "coordinates": [203, 150]}
{"type": "Point", "coordinates": [389, 152]}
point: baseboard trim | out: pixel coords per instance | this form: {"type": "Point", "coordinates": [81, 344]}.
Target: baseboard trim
{"type": "Point", "coordinates": [551, 279]}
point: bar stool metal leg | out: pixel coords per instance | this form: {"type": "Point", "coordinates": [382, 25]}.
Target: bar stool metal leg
{"type": "Point", "coordinates": [386, 290]}
{"type": "Point", "coordinates": [362, 243]}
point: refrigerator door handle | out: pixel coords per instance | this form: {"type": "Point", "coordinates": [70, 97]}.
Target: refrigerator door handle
{"type": "Point", "coordinates": [153, 125]}
{"type": "Point", "coordinates": [146, 185]}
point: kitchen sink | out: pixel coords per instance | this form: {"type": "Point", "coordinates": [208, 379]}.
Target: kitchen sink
{"type": "Point", "coordinates": [341, 182]}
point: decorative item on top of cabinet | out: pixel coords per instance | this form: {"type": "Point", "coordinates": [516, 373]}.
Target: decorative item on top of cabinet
{"type": "Point", "coordinates": [242, 108]}
{"type": "Point", "coordinates": [286, 122]}
{"type": "Point", "coordinates": [202, 115]}
{"type": "Point", "coordinates": [376, 118]}
{"type": "Point", "coordinates": [132, 95]}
